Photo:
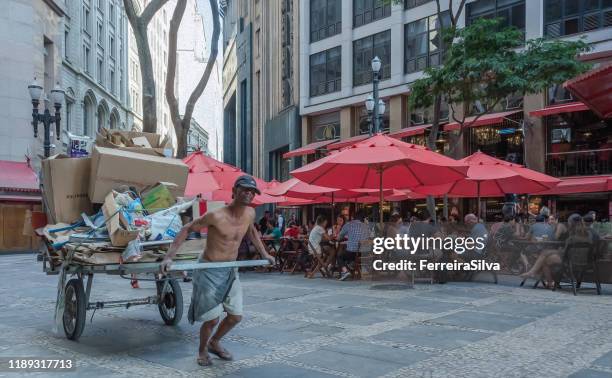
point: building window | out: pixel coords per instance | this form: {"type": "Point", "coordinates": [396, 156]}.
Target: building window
{"type": "Point", "coordinates": [100, 34]}
{"type": "Point", "coordinates": [86, 20]}
{"type": "Point", "coordinates": [512, 12]}
{"type": "Point", "coordinates": [66, 43]}
{"type": "Point", "coordinates": [325, 72]}
{"type": "Point", "coordinates": [100, 71]}
{"type": "Point", "coordinates": [424, 116]}
{"type": "Point", "coordinates": [101, 6]}
{"type": "Point", "coordinates": [364, 121]}
{"type": "Point", "coordinates": [571, 17]}
{"type": "Point", "coordinates": [557, 94]}
{"type": "Point", "coordinates": [111, 78]}
{"type": "Point", "coordinates": [366, 11]}
{"type": "Point", "coordinates": [86, 59]}
{"type": "Point", "coordinates": [111, 46]}
{"type": "Point", "coordinates": [408, 4]}
{"type": "Point", "coordinates": [69, 104]}
{"type": "Point", "coordinates": [325, 126]}
{"type": "Point", "coordinates": [422, 43]}
{"type": "Point", "coordinates": [364, 50]}
{"type": "Point", "coordinates": [325, 19]}
{"type": "Point", "coordinates": [111, 13]}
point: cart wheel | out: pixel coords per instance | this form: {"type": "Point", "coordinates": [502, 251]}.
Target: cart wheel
{"type": "Point", "coordinates": [170, 301]}
{"type": "Point", "coordinates": [74, 309]}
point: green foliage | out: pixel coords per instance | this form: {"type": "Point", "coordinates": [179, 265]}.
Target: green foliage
{"type": "Point", "coordinates": [485, 63]}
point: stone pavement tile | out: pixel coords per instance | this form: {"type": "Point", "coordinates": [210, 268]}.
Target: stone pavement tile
{"type": "Point", "coordinates": [347, 363]}
{"type": "Point", "coordinates": [280, 292]}
{"type": "Point", "coordinates": [179, 355]}
{"type": "Point", "coordinates": [276, 370]}
{"type": "Point", "coordinates": [359, 316]}
{"type": "Point", "coordinates": [342, 299]}
{"type": "Point", "coordinates": [521, 309]}
{"type": "Point", "coordinates": [458, 295]}
{"type": "Point", "coordinates": [270, 333]}
{"type": "Point", "coordinates": [417, 304]}
{"type": "Point", "coordinates": [254, 299]}
{"type": "Point", "coordinates": [476, 320]}
{"type": "Point", "coordinates": [590, 373]}
{"type": "Point", "coordinates": [431, 336]}
{"type": "Point", "coordinates": [283, 307]}
{"type": "Point", "coordinates": [28, 350]}
{"type": "Point", "coordinates": [379, 352]}
{"type": "Point", "coordinates": [605, 360]}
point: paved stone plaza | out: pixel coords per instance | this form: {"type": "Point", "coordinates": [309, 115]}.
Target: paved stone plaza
{"type": "Point", "coordinates": [295, 327]}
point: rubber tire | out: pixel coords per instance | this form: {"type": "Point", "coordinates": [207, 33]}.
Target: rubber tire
{"type": "Point", "coordinates": [81, 309]}
{"type": "Point", "coordinates": [177, 294]}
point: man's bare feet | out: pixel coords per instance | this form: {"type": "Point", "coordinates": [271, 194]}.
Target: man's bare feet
{"type": "Point", "coordinates": [204, 359]}
{"type": "Point", "coordinates": [215, 348]}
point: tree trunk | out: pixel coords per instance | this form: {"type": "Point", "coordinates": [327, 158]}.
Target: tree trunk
{"type": "Point", "coordinates": [181, 139]}
{"type": "Point", "coordinates": [149, 103]}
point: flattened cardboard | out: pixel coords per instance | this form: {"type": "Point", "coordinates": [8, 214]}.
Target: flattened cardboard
{"type": "Point", "coordinates": [119, 236]}
{"type": "Point", "coordinates": [112, 168]}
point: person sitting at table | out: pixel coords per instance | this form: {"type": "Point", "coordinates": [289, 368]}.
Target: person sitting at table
{"type": "Point", "coordinates": [355, 231]}
{"type": "Point", "coordinates": [540, 229]}
{"type": "Point", "coordinates": [477, 230]}
{"type": "Point", "coordinates": [292, 231]}
{"type": "Point", "coordinates": [317, 235]}
{"type": "Point", "coordinates": [559, 229]}
{"type": "Point", "coordinates": [274, 233]}
{"type": "Point", "coordinates": [589, 221]}
{"type": "Point", "coordinates": [338, 226]}
{"type": "Point", "coordinates": [549, 258]}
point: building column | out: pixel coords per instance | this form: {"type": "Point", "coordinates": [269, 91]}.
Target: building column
{"type": "Point", "coordinates": [397, 113]}
{"type": "Point", "coordinates": [346, 122]}
{"type": "Point", "coordinates": [535, 134]}
{"type": "Point", "coordinates": [306, 136]}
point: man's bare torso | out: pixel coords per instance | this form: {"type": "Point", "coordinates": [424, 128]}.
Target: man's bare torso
{"type": "Point", "coordinates": [226, 229]}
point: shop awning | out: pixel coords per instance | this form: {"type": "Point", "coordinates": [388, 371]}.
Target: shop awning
{"type": "Point", "coordinates": [17, 177]}
{"type": "Point", "coordinates": [594, 88]}
{"type": "Point", "coordinates": [347, 142]}
{"type": "Point", "coordinates": [584, 184]}
{"type": "Point", "coordinates": [485, 120]}
{"type": "Point", "coordinates": [410, 131]}
{"type": "Point", "coordinates": [558, 109]}
{"type": "Point", "coordinates": [308, 149]}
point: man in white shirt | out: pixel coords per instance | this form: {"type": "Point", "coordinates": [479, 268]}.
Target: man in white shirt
{"type": "Point", "coordinates": [317, 235]}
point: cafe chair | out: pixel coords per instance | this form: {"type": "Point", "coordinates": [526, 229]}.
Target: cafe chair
{"type": "Point", "coordinates": [580, 262]}
{"type": "Point", "coordinates": [317, 264]}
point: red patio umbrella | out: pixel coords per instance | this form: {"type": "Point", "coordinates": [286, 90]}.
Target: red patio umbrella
{"type": "Point", "coordinates": [491, 177]}
{"type": "Point", "coordinates": [382, 162]}
{"type": "Point", "coordinates": [199, 162]}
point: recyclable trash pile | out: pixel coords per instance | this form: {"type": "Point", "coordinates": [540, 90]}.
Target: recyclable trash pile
{"type": "Point", "coordinates": [123, 204]}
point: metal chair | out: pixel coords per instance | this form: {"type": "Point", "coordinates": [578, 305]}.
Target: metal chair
{"type": "Point", "coordinates": [579, 259]}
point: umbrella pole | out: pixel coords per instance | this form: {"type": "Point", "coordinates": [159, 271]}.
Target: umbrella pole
{"type": "Point", "coordinates": [332, 210]}
{"type": "Point", "coordinates": [478, 193]}
{"type": "Point", "coordinates": [380, 203]}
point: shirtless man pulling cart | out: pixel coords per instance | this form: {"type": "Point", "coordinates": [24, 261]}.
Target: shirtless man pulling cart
{"type": "Point", "coordinates": [218, 289]}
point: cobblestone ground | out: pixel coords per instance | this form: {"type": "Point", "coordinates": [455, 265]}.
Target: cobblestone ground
{"type": "Point", "coordinates": [295, 327]}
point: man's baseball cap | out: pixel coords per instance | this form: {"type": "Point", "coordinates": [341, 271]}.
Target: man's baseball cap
{"type": "Point", "coordinates": [246, 181]}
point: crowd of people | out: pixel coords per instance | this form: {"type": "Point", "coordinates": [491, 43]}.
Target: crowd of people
{"type": "Point", "coordinates": [338, 243]}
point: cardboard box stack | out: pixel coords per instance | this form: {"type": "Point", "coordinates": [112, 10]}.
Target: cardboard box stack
{"type": "Point", "coordinates": [134, 186]}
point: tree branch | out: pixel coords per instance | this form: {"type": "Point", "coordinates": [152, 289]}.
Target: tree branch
{"type": "Point", "coordinates": [455, 18]}
{"type": "Point", "coordinates": [150, 10]}
{"type": "Point", "coordinates": [175, 23]}
{"type": "Point", "coordinates": [130, 11]}
{"type": "Point", "coordinates": [212, 58]}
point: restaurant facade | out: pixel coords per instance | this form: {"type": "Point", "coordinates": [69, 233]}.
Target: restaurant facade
{"type": "Point", "coordinates": [554, 132]}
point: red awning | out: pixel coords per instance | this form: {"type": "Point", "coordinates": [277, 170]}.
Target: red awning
{"type": "Point", "coordinates": [17, 177]}
{"type": "Point", "coordinates": [308, 149]}
{"type": "Point", "coordinates": [594, 88]}
{"type": "Point", "coordinates": [485, 120]}
{"type": "Point", "coordinates": [558, 109]}
{"type": "Point", "coordinates": [410, 131]}
{"type": "Point", "coordinates": [585, 184]}
{"type": "Point", "coordinates": [347, 142]}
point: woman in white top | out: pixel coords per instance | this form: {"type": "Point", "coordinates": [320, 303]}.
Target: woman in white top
{"type": "Point", "coordinates": [317, 235]}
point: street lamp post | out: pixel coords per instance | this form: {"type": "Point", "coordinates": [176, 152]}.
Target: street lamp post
{"type": "Point", "coordinates": [375, 113]}
{"type": "Point", "coordinates": [57, 96]}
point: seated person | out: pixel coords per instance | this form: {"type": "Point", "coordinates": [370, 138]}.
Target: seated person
{"type": "Point", "coordinates": [477, 230]}
{"type": "Point", "coordinates": [274, 232]}
{"type": "Point", "coordinates": [549, 258]}
{"type": "Point", "coordinates": [355, 231]}
{"type": "Point", "coordinates": [292, 231]}
{"type": "Point", "coordinates": [317, 235]}
{"type": "Point", "coordinates": [540, 229]}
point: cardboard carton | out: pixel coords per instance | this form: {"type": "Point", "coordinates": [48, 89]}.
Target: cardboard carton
{"type": "Point", "coordinates": [65, 186]}
{"type": "Point", "coordinates": [112, 168]}
{"type": "Point", "coordinates": [158, 197]}
{"type": "Point", "coordinates": [135, 141]}
{"type": "Point", "coordinates": [116, 223]}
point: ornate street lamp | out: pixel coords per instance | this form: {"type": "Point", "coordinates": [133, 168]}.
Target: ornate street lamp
{"type": "Point", "coordinates": [376, 63]}
{"type": "Point", "coordinates": [57, 97]}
